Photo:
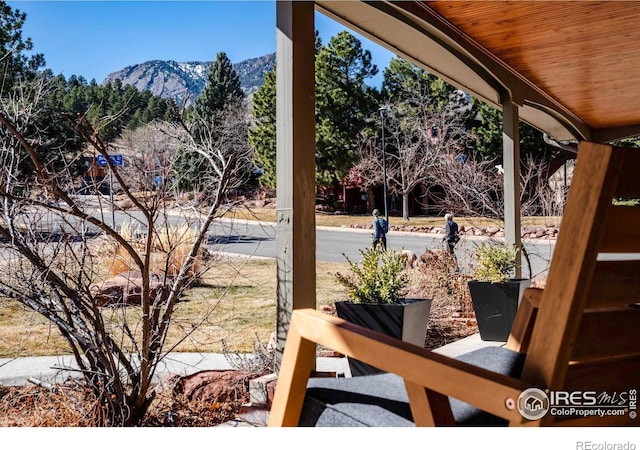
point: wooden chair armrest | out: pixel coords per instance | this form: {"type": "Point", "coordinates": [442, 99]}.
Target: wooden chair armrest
{"type": "Point", "coordinates": [440, 375]}
{"type": "Point", "coordinates": [533, 296]}
{"type": "Point", "coordinates": [522, 327]}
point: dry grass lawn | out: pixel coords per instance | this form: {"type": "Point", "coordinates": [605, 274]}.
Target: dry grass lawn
{"type": "Point", "coordinates": [235, 303]}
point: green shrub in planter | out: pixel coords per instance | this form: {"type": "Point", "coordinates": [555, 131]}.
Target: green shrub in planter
{"type": "Point", "coordinates": [379, 278]}
{"type": "Point", "coordinates": [495, 263]}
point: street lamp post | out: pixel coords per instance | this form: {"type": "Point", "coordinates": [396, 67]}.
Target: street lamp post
{"type": "Point", "coordinates": [384, 167]}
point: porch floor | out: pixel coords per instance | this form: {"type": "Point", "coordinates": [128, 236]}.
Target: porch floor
{"type": "Point", "coordinates": [258, 417]}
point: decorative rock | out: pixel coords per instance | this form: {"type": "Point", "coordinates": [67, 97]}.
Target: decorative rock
{"type": "Point", "coordinates": [124, 289]}
{"type": "Point", "coordinates": [260, 393]}
{"type": "Point", "coordinates": [216, 386]}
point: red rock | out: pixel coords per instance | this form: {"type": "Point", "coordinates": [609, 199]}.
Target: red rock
{"type": "Point", "coordinates": [216, 386]}
{"type": "Point", "coordinates": [125, 288]}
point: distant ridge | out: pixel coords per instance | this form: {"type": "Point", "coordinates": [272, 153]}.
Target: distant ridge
{"type": "Point", "coordinates": [174, 80]}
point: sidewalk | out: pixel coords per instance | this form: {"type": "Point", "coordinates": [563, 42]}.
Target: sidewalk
{"type": "Point", "coordinates": [51, 369]}
{"type": "Point", "coordinates": [17, 371]}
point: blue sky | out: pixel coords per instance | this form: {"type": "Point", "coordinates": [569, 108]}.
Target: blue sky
{"type": "Point", "coordinates": [94, 38]}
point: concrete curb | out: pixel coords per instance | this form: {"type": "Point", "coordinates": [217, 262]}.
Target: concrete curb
{"type": "Point", "coordinates": [56, 369]}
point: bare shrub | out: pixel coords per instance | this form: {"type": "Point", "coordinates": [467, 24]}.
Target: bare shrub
{"type": "Point", "coordinates": [436, 274]}
{"type": "Point", "coordinates": [51, 259]}
{"type": "Point", "coordinates": [451, 316]}
{"type": "Point", "coordinates": [261, 362]}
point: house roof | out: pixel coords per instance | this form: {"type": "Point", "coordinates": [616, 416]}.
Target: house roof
{"type": "Point", "coordinates": [573, 67]}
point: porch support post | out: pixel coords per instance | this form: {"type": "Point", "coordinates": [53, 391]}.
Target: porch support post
{"type": "Point", "coordinates": [295, 162]}
{"type": "Point", "coordinates": [511, 166]}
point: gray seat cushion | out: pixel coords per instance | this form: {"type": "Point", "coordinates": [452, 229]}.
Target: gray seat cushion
{"type": "Point", "coordinates": [381, 400]}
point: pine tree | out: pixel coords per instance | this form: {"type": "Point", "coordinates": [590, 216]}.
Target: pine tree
{"type": "Point", "coordinates": [14, 63]}
{"type": "Point", "coordinates": [407, 83]}
{"type": "Point", "coordinates": [222, 92]}
{"type": "Point", "coordinates": [343, 104]}
{"type": "Point", "coordinates": [262, 137]}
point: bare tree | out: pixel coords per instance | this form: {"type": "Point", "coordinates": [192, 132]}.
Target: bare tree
{"type": "Point", "coordinates": [420, 136]}
{"type": "Point", "coordinates": [539, 196]}
{"type": "Point", "coordinates": [473, 186]}
{"type": "Point", "coordinates": [419, 131]}
{"type": "Point", "coordinates": [469, 185]}
{"type": "Point", "coordinates": [57, 246]}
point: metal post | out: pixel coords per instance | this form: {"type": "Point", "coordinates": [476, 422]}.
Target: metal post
{"type": "Point", "coordinates": [511, 164]}
{"type": "Point", "coordinates": [113, 208]}
{"type": "Point", "coordinates": [384, 167]}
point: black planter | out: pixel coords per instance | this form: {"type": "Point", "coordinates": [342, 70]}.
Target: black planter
{"type": "Point", "coordinates": [406, 321]}
{"type": "Point", "coordinates": [495, 305]}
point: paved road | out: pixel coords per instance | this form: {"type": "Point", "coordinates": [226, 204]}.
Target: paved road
{"type": "Point", "coordinates": [333, 244]}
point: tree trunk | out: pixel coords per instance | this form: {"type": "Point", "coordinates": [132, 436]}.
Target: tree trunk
{"type": "Point", "coordinates": [370, 199]}
{"type": "Point", "coordinates": [405, 206]}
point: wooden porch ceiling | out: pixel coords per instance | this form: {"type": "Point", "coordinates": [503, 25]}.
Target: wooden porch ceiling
{"type": "Point", "coordinates": [572, 66]}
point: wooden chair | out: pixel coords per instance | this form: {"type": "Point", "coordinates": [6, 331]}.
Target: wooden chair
{"type": "Point", "coordinates": [581, 333]}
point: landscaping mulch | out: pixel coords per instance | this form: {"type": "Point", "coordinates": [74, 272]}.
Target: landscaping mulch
{"type": "Point", "coordinates": [69, 405]}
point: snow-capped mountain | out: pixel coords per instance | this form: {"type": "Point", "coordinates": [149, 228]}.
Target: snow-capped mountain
{"type": "Point", "coordinates": [176, 80]}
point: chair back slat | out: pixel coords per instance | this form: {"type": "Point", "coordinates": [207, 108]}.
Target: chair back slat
{"type": "Point", "coordinates": [629, 183]}
{"type": "Point", "coordinates": [587, 330]}
{"type": "Point", "coordinates": [615, 284]}
{"type": "Point", "coordinates": [621, 230]}
{"type": "Point", "coordinates": [607, 334]}
{"type": "Point", "coordinates": [607, 374]}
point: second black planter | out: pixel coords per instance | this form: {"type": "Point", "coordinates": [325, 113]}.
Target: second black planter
{"type": "Point", "coordinates": [495, 305]}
